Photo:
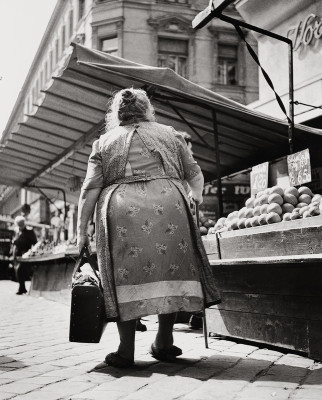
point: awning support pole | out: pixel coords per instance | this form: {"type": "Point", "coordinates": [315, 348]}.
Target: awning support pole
{"type": "Point", "coordinates": [290, 62]}
{"type": "Point", "coordinates": [188, 123]}
{"type": "Point", "coordinates": [64, 196]}
{"type": "Point", "coordinates": [219, 186]}
{"type": "Point", "coordinates": [204, 17]}
{"type": "Point", "coordinates": [291, 96]}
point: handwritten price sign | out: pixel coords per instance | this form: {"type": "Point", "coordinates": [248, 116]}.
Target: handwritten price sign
{"type": "Point", "coordinates": [299, 167]}
{"type": "Point", "coordinates": [259, 178]}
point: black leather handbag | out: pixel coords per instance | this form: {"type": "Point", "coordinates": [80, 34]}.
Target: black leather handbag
{"type": "Point", "coordinates": [87, 314]}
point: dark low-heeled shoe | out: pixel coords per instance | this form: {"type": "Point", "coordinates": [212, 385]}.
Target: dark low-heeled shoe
{"type": "Point", "coordinates": [167, 355]}
{"type": "Point", "coordinates": [115, 360]}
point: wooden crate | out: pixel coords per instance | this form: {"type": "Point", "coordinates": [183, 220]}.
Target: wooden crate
{"type": "Point", "coordinates": [298, 237]}
{"type": "Point", "coordinates": [270, 279]}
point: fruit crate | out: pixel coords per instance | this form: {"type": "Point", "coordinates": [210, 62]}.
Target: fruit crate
{"type": "Point", "coordinates": [287, 238]}
{"type": "Point", "coordinates": [270, 280]}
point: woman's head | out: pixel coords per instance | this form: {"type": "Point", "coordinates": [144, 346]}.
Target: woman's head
{"type": "Point", "coordinates": [129, 105]}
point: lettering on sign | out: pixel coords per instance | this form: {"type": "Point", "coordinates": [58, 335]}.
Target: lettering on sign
{"type": "Point", "coordinates": [299, 167]}
{"type": "Point", "coordinates": [305, 31]}
{"type": "Point", "coordinates": [259, 178]}
{"type": "Point", "coordinates": [227, 190]}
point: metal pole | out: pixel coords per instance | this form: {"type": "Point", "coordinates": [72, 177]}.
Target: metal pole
{"type": "Point", "coordinates": [290, 62]}
{"type": "Point", "coordinates": [65, 203]}
{"type": "Point", "coordinates": [204, 321]}
{"type": "Point", "coordinates": [254, 28]}
{"type": "Point", "coordinates": [291, 97]}
{"type": "Point", "coordinates": [219, 186]}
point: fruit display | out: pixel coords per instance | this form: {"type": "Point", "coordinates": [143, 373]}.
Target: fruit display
{"type": "Point", "coordinates": [205, 224]}
{"type": "Point", "coordinates": [270, 206]}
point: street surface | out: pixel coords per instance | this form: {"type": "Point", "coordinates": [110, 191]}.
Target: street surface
{"type": "Point", "coordinates": [37, 362]}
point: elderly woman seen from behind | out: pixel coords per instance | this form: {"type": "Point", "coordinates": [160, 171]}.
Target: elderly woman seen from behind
{"type": "Point", "coordinates": [149, 250]}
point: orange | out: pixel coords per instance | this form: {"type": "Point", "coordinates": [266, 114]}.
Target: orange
{"type": "Point", "coordinates": [277, 190]}
{"type": "Point", "coordinates": [257, 211]}
{"type": "Point", "coordinates": [292, 190]}
{"type": "Point", "coordinates": [303, 209]}
{"type": "Point", "coordinates": [275, 198]}
{"type": "Point", "coordinates": [233, 224]}
{"type": "Point", "coordinates": [290, 198]}
{"type": "Point", "coordinates": [254, 221]}
{"type": "Point", "coordinates": [249, 203]}
{"type": "Point", "coordinates": [305, 198]}
{"type": "Point", "coordinates": [300, 205]}
{"type": "Point", "coordinates": [264, 209]}
{"type": "Point", "coordinates": [317, 197]}
{"type": "Point", "coordinates": [249, 213]}
{"type": "Point", "coordinates": [248, 223]}
{"type": "Point", "coordinates": [241, 223]}
{"type": "Point", "coordinates": [263, 199]}
{"type": "Point", "coordinates": [287, 208]}
{"type": "Point", "coordinates": [314, 211]}
{"type": "Point", "coordinates": [262, 219]}
{"type": "Point", "coordinates": [241, 212]}
{"type": "Point", "coordinates": [295, 215]}
{"type": "Point", "coordinates": [260, 193]}
{"type": "Point", "coordinates": [274, 207]}
{"type": "Point", "coordinates": [287, 216]}
{"type": "Point", "coordinates": [273, 217]}
{"type": "Point", "coordinates": [305, 190]}
{"type": "Point", "coordinates": [232, 215]}
{"type": "Point", "coordinates": [256, 201]}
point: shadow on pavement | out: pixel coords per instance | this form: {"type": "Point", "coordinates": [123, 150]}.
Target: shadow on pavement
{"type": "Point", "coordinates": [222, 368]}
{"type": "Point", "coordinates": [10, 363]}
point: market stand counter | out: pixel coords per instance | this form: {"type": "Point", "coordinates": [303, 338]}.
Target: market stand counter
{"type": "Point", "coordinates": [270, 279]}
{"type": "Point", "coordinates": [52, 273]}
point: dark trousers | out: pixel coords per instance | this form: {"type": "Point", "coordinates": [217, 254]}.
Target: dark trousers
{"type": "Point", "coordinates": [21, 276]}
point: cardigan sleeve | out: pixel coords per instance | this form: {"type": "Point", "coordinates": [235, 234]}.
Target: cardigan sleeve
{"type": "Point", "coordinates": [94, 174]}
{"type": "Point", "coordinates": [190, 167]}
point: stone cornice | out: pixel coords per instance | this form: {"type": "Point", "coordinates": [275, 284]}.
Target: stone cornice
{"type": "Point", "coordinates": [171, 23]}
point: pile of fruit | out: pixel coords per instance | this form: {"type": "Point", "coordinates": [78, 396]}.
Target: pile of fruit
{"type": "Point", "coordinates": [272, 205]}
{"type": "Point", "coordinates": [205, 224]}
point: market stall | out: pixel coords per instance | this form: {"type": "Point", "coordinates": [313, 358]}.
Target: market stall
{"type": "Point", "coordinates": [267, 260]}
{"type": "Point", "coordinates": [51, 147]}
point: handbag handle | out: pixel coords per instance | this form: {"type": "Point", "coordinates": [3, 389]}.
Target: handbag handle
{"type": "Point", "coordinates": [89, 258]}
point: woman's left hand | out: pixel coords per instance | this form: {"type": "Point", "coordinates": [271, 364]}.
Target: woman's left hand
{"type": "Point", "coordinates": [82, 240]}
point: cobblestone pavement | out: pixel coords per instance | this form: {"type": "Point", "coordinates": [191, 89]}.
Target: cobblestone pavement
{"type": "Point", "coordinates": [38, 362]}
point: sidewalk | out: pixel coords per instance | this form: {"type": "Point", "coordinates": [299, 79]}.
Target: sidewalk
{"type": "Point", "coordinates": [37, 362]}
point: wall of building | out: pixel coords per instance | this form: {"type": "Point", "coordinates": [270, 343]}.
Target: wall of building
{"type": "Point", "coordinates": [299, 20]}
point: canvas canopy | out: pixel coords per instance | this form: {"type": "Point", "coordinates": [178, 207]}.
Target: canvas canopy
{"type": "Point", "coordinates": [52, 145]}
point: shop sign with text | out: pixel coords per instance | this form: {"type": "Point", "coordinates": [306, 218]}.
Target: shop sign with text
{"type": "Point", "coordinates": [228, 190]}
{"type": "Point", "coordinates": [306, 31]}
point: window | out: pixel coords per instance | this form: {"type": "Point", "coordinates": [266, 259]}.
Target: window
{"type": "Point", "coordinates": [42, 83]}
{"type": "Point", "coordinates": [71, 23]}
{"type": "Point", "coordinates": [63, 37]}
{"type": "Point", "coordinates": [51, 63]}
{"type": "Point", "coordinates": [173, 53]}
{"type": "Point", "coordinates": [45, 72]}
{"type": "Point", "coordinates": [81, 9]}
{"type": "Point", "coordinates": [227, 65]}
{"type": "Point", "coordinates": [110, 45]}
{"type": "Point", "coordinates": [57, 50]}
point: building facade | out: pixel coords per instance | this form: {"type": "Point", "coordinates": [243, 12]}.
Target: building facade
{"type": "Point", "coordinates": [301, 21]}
{"type": "Point", "coordinates": [155, 32]}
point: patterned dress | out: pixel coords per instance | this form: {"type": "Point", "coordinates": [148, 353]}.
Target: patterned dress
{"type": "Point", "coordinates": [148, 256]}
